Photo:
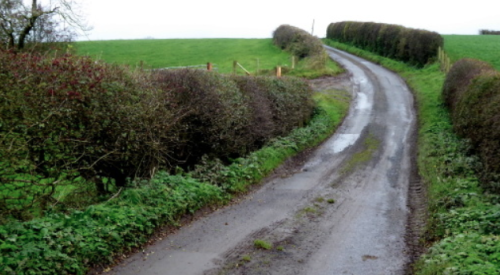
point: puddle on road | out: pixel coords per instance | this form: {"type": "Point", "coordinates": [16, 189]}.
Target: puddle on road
{"type": "Point", "coordinates": [336, 145]}
{"type": "Point", "coordinates": [362, 102]}
{"type": "Point", "coordinates": [343, 141]}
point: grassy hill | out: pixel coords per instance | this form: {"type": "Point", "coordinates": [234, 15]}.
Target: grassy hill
{"type": "Point", "coordinates": [482, 47]}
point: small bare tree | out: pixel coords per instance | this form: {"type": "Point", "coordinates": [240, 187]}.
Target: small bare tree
{"type": "Point", "coordinates": [22, 23]}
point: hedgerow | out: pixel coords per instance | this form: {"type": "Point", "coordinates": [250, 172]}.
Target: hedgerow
{"type": "Point", "coordinates": [414, 46]}
{"type": "Point", "coordinates": [69, 122]}
{"type": "Point", "coordinates": [297, 41]}
{"type": "Point", "coordinates": [472, 92]}
{"type": "Point", "coordinates": [72, 242]}
{"type": "Point", "coordinates": [460, 77]}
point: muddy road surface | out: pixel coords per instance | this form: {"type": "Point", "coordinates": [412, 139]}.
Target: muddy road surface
{"type": "Point", "coordinates": [343, 211]}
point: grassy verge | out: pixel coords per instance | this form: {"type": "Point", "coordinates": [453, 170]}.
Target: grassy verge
{"type": "Point", "coordinates": [463, 233]}
{"type": "Point", "coordinates": [306, 69]}
{"type": "Point", "coordinates": [71, 242]}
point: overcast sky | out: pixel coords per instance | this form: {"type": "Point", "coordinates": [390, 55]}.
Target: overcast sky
{"type": "Point", "coordinates": [120, 19]}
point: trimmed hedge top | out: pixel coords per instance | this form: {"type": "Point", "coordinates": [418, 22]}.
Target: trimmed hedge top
{"type": "Point", "coordinates": [414, 46]}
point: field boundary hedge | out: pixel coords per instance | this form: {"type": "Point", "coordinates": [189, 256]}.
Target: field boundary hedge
{"type": "Point", "coordinates": [71, 243]}
{"type": "Point", "coordinates": [69, 122]}
{"type": "Point", "coordinates": [298, 42]}
{"type": "Point", "coordinates": [414, 46]}
{"type": "Point", "coordinates": [472, 93]}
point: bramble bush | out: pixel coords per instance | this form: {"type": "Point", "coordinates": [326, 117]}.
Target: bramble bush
{"type": "Point", "coordinates": [414, 46]}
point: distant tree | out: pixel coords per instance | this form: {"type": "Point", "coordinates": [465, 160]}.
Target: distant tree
{"type": "Point", "coordinates": [489, 32]}
{"type": "Point", "coordinates": [22, 24]}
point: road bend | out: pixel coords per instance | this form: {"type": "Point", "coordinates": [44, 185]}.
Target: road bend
{"type": "Point", "coordinates": [344, 211]}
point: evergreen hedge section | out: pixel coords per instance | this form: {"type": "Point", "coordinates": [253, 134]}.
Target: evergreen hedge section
{"type": "Point", "coordinates": [472, 92]}
{"type": "Point", "coordinates": [414, 46]}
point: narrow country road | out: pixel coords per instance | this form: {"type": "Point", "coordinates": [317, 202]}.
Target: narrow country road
{"type": "Point", "coordinates": [344, 211]}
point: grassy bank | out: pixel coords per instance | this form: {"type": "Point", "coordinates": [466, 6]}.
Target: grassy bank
{"type": "Point", "coordinates": [255, 55]}
{"type": "Point", "coordinates": [463, 232]}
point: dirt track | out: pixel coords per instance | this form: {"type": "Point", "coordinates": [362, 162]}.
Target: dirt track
{"type": "Point", "coordinates": [344, 211]}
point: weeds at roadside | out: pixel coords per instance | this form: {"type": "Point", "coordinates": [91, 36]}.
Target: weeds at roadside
{"type": "Point", "coordinates": [246, 258]}
{"type": "Point", "coordinates": [261, 244]}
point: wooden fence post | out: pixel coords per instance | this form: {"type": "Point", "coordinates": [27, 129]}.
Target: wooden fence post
{"type": "Point", "coordinates": [235, 63]}
{"type": "Point", "coordinates": [209, 66]}
{"type": "Point", "coordinates": [278, 71]}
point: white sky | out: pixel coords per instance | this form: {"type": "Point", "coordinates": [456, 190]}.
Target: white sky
{"type": "Point", "coordinates": [122, 19]}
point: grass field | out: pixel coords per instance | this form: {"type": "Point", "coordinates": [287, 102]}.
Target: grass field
{"type": "Point", "coordinates": [187, 52]}
{"type": "Point", "coordinates": [482, 47]}
{"type": "Point", "coordinates": [253, 54]}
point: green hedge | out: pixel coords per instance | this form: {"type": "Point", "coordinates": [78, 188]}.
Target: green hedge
{"type": "Point", "coordinates": [460, 77]}
{"type": "Point", "coordinates": [472, 91]}
{"type": "Point", "coordinates": [297, 41]}
{"type": "Point", "coordinates": [414, 46]}
{"type": "Point", "coordinates": [68, 121]}
{"type": "Point", "coordinates": [72, 242]}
